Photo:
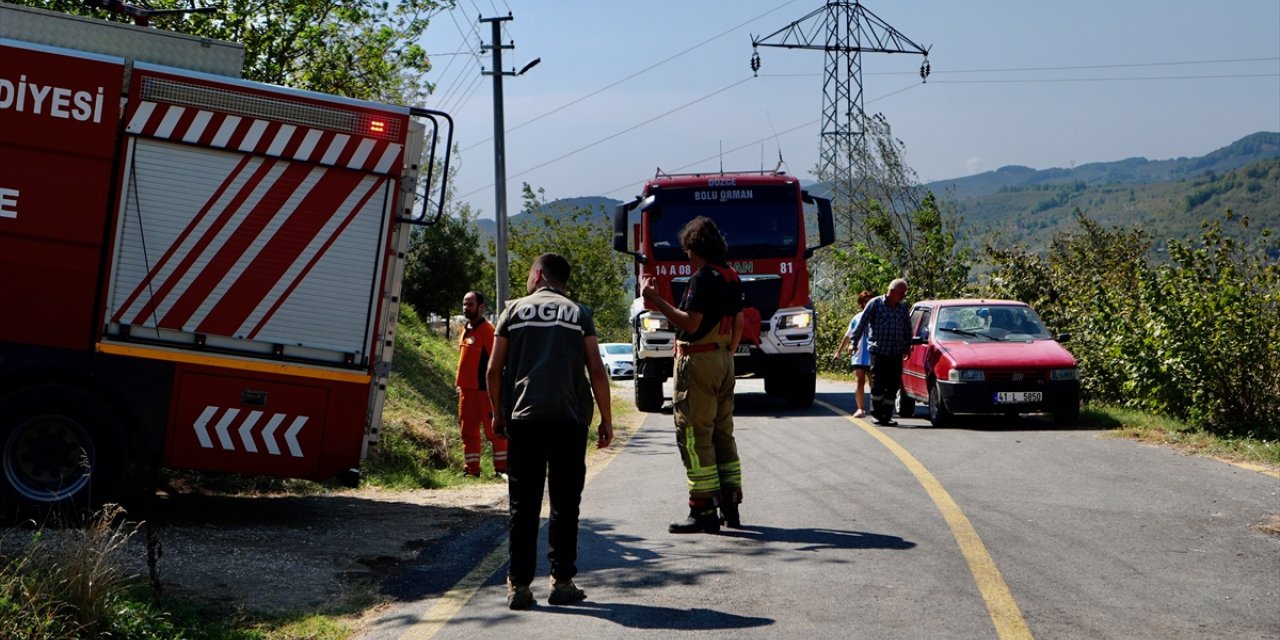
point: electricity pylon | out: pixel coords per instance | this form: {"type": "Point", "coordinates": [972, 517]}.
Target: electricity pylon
{"type": "Point", "coordinates": [844, 30]}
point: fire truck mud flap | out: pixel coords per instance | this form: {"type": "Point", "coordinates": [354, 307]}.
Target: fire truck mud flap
{"type": "Point", "coordinates": [62, 450]}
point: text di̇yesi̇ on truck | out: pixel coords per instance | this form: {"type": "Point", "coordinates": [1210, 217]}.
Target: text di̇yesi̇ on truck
{"type": "Point", "coordinates": [196, 271]}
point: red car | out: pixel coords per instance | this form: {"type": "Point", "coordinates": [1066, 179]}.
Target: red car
{"type": "Point", "coordinates": [987, 356]}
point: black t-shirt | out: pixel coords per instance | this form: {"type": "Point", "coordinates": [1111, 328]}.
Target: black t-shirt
{"type": "Point", "coordinates": [714, 296]}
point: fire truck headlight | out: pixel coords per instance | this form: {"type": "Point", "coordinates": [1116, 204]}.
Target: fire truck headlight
{"type": "Point", "coordinates": [796, 320]}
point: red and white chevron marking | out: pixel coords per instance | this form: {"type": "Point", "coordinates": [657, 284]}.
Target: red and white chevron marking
{"type": "Point", "coordinates": [242, 255]}
{"type": "Point", "coordinates": [264, 137]}
{"type": "Point", "coordinates": [237, 434]}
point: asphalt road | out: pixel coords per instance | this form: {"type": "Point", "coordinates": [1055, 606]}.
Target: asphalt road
{"type": "Point", "coordinates": [997, 528]}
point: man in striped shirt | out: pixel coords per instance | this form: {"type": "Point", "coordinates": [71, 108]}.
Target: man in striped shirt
{"type": "Point", "coordinates": [887, 324]}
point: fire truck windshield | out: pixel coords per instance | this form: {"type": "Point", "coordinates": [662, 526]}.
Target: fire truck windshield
{"type": "Point", "coordinates": [757, 222]}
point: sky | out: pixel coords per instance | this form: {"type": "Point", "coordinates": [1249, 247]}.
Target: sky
{"type": "Point", "coordinates": [626, 88]}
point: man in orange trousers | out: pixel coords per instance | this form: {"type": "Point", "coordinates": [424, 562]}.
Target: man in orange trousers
{"type": "Point", "coordinates": [474, 347]}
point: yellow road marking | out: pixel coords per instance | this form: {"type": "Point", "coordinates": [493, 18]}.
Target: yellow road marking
{"type": "Point", "coordinates": [1266, 471]}
{"type": "Point", "coordinates": [1003, 610]}
{"type": "Point", "coordinates": [461, 593]}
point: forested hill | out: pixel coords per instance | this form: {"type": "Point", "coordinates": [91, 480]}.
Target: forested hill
{"type": "Point", "coordinates": [1167, 198]}
{"type": "Point", "coordinates": [1245, 151]}
{"type": "Point", "coordinates": [564, 207]}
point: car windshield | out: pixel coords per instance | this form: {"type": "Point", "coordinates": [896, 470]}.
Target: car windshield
{"type": "Point", "coordinates": [990, 322]}
{"type": "Point", "coordinates": [756, 222]}
{"type": "Point", "coordinates": [616, 349]}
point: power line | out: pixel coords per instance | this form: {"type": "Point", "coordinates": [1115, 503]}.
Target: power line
{"type": "Point", "coordinates": [462, 81]}
{"type": "Point", "coordinates": [633, 75]}
{"type": "Point", "coordinates": [471, 92]}
{"type": "Point", "coordinates": [936, 71]}
{"type": "Point", "coordinates": [663, 115]}
{"type": "Point", "coordinates": [463, 96]}
{"type": "Point", "coordinates": [449, 92]}
{"type": "Point", "coordinates": [753, 143]}
{"type": "Point", "coordinates": [1111, 66]}
{"type": "Point", "coordinates": [1113, 79]}
{"type": "Point", "coordinates": [614, 135]}
{"type": "Point", "coordinates": [460, 52]}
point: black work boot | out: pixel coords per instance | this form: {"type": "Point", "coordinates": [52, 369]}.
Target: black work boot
{"type": "Point", "coordinates": [700, 520]}
{"type": "Point", "coordinates": [729, 515]}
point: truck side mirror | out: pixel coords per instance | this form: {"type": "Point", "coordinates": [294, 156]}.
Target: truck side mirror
{"type": "Point", "coordinates": [826, 222]}
{"type": "Point", "coordinates": [620, 216]}
{"type": "Point", "coordinates": [1063, 337]}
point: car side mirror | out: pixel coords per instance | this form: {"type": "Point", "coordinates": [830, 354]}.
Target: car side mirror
{"type": "Point", "coordinates": [1063, 337]}
{"type": "Point", "coordinates": [920, 340]}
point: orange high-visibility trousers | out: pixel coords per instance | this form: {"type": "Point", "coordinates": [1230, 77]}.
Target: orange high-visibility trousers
{"type": "Point", "coordinates": [473, 411]}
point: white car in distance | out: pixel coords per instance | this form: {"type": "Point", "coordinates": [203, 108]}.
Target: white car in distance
{"type": "Point", "coordinates": [617, 359]}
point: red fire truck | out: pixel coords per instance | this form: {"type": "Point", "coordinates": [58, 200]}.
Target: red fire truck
{"type": "Point", "coordinates": [762, 216]}
{"type": "Point", "coordinates": [196, 271]}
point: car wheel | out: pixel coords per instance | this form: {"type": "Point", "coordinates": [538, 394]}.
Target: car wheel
{"type": "Point", "coordinates": [939, 415]}
{"type": "Point", "coordinates": [906, 404]}
{"type": "Point", "coordinates": [62, 450]}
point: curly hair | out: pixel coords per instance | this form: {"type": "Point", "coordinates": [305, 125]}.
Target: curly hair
{"type": "Point", "coordinates": [701, 236]}
{"type": "Point", "coordinates": [864, 297]}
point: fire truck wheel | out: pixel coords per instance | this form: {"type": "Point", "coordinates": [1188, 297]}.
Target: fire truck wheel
{"type": "Point", "coordinates": [801, 391]}
{"type": "Point", "coordinates": [62, 450]}
{"type": "Point", "coordinates": [648, 394]}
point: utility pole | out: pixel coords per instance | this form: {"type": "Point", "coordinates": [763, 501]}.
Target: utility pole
{"type": "Point", "coordinates": [499, 157]}
{"type": "Point", "coordinates": [500, 153]}
{"type": "Point", "coordinates": [850, 29]}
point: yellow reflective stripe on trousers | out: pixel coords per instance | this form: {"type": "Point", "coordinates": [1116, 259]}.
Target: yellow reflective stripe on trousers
{"type": "Point", "coordinates": [702, 479]}
{"type": "Point", "coordinates": [730, 474]}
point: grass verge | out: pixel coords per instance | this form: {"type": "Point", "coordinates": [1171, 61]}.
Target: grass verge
{"type": "Point", "coordinates": [1135, 425]}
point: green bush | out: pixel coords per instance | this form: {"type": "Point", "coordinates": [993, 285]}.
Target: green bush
{"type": "Point", "coordinates": [1196, 338]}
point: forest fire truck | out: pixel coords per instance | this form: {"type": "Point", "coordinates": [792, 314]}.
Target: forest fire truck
{"type": "Point", "coordinates": [196, 271]}
{"type": "Point", "coordinates": [762, 217]}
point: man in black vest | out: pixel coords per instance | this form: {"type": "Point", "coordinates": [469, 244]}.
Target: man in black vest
{"type": "Point", "coordinates": [542, 404]}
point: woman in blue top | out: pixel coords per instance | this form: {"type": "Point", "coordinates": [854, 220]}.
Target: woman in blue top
{"type": "Point", "coordinates": [861, 357]}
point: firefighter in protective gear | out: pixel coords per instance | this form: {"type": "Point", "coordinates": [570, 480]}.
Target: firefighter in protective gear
{"type": "Point", "coordinates": [709, 322]}
{"type": "Point", "coordinates": [474, 347]}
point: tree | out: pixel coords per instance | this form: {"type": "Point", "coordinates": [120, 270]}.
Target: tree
{"type": "Point", "coordinates": [444, 264]}
{"type": "Point", "coordinates": [895, 217]}
{"type": "Point", "coordinates": [364, 49]}
{"type": "Point", "coordinates": [584, 238]}
{"type": "Point", "coordinates": [889, 227]}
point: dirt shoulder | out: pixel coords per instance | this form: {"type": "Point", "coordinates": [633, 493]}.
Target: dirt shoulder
{"type": "Point", "coordinates": [280, 555]}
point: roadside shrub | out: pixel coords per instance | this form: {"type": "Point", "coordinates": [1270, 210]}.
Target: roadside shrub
{"type": "Point", "coordinates": [1213, 317]}
{"type": "Point", "coordinates": [73, 586]}
{"type": "Point", "coordinates": [1196, 338]}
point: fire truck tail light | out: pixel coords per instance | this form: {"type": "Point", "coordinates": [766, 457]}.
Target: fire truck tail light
{"type": "Point", "coordinates": [377, 126]}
